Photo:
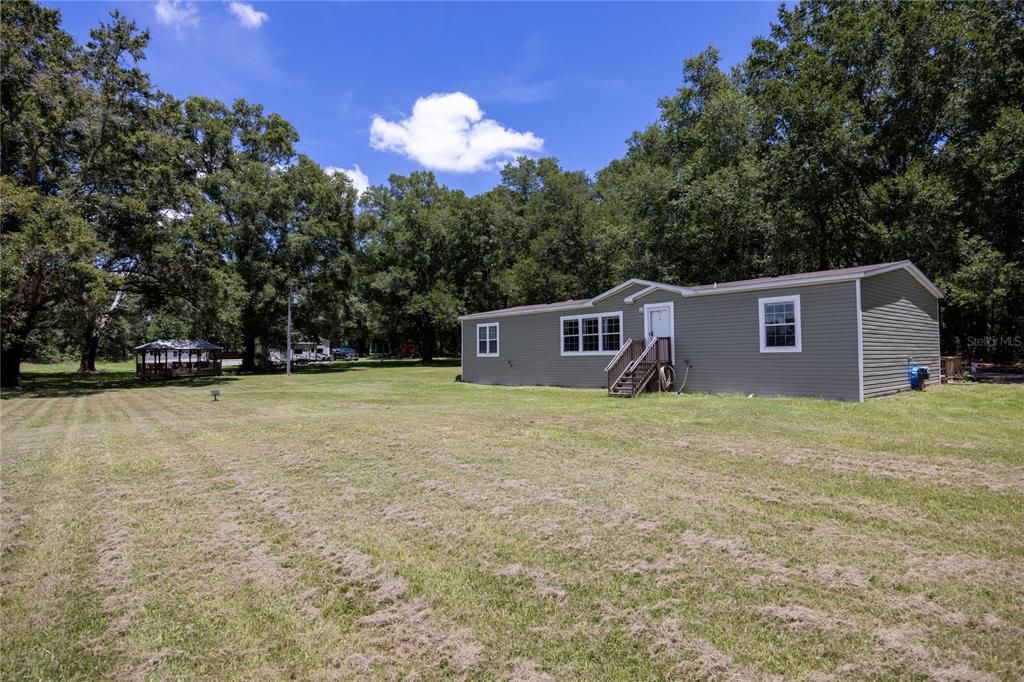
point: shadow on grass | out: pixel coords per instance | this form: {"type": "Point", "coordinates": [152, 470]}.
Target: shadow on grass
{"type": "Point", "coordinates": [1009, 374]}
{"type": "Point", "coordinates": [339, 366]}
{"type": "Point", "coordinates": [349, 365]}
{"type": "Point", "coordinates": [72, 384]}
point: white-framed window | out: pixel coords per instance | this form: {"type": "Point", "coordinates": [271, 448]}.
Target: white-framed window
{"type": "Point", "coordinates": [487, 340]}
{"type": "Point", "coordinates": [596, 334]}
{"type": "Point", "coordinates": [779, 319]}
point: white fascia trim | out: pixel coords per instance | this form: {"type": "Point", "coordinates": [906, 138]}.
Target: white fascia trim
{"type": "Point", "coordinates": [781, 285]}
{"type": "Point", "coordinates": [682, 291]}
{"type": "Point", "coordinates": [640, 294]}
{"type": "Point", "coordinates": [568, 306]}
{"type": "Point", "coordinates": [656, 286]}
{"type": "Point", "coordinates": [600, 334]}
{"type": "Point", "coordinates": [795, 300]}
{"type": "Point", "coordinates": [651, 287]}
{"type": "Point", "coordinates": [497, 340]}
{"type": "Point", "coordinates": [616, 289]}
{"type": "Point", "coordinates": [511, 313]}
{"type": "Point", "coordinates": [915, 273]}
{"type": "Point", "coordinates": [860, 347]}
{"type": "Point", "coordinates": [796, 282]}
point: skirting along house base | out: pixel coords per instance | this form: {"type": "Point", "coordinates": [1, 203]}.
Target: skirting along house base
{"type": "Point", "coordinates": [845, 334]}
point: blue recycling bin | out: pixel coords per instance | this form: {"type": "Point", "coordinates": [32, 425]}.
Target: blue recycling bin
{"type": "Point", "coordinates": [914, 374]}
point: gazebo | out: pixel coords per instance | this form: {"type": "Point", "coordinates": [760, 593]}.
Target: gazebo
{"type": "Point", "coordinates": [168, 358]}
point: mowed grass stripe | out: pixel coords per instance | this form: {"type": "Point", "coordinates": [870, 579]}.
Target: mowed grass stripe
{"type": "Point", "coordinates": [475, 596]}
{"type": "Point", "coordinates": [208, 569]}
{"type": "Point", "coordinates": [52, 613]}
{"type": "Point", "coordinates": [409, 494]}
{"type": "Point", "coordinates": [270, 458]}
{"type": "Point", "coordinates": [413, 454]}
{"type": "Point", "coordinates": [404, 523]}
{"type": "Point", "coordinates": [317, 610]}
{"type": "Point", "coordinates": [281, 476]}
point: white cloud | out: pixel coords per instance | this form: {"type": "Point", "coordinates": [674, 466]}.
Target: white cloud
{"type": "Point", "coordinates": [247, 15]}
{"type": "Point", "coordinates": [177, 13]}
{"type": "Point", "coordinates": [356, 176]}
{"type": "Point", "coordinates": [449, 132]}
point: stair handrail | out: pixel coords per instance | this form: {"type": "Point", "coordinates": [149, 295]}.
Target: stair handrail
{"type": "Point", "coordinates": [622, 351]}
{"type": "Point", "coordinates": [623, 359]}
{"type": "Point", "coordinates": [651, 358]}
{"type": "Point", "coordinates": [653, 344]}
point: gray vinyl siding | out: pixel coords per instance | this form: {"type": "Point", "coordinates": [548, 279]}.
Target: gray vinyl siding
{"type": "Point", "coordinates": [720, 337]}
{"type": "Point", "coordinates": [900, 320]}
{"type": "Point", "coordinates": [529, 348]}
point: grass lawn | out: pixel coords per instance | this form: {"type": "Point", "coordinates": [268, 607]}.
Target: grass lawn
{"type": "Point", "coordinates": [374, 521]}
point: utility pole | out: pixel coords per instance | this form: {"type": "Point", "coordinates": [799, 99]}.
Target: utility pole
{"type": "Point", "coordinates": [288, 369]}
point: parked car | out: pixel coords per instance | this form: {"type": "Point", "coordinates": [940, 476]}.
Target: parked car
{"type": "Point", "coordinates": [344, 353]}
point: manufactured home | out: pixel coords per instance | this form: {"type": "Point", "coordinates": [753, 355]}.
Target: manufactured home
{"type": "Point", "coordinates": [845, 334]}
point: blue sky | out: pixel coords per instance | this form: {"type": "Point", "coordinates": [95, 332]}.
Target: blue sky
{"type": "Point", "coordinates": [570, 80]}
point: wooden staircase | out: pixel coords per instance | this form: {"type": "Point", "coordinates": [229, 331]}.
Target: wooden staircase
{"type": "Point", "coordinates": [635, 365]}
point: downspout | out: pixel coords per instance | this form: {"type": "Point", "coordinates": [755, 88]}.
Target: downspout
{"type": "Point", "coordinates": [938, 334]}
{"type": "Point", "coordinates": [860, 345]}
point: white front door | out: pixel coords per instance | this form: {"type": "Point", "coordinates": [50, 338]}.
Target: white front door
{"type": "Point", "coordinates": [658, 321]}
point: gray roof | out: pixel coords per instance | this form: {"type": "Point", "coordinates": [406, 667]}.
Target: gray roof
{"type": "Point", "coordinates": [797, 276]}
{"type": "Point", "coordinates": [541, 306]}
{"type": "Point", "coordinates": [179, 344]}
{"type": "Point", "coordinates": [819, 277]}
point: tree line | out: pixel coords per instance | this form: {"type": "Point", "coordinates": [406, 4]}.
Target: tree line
{"type": "Point", "coordinates": [852, 133]}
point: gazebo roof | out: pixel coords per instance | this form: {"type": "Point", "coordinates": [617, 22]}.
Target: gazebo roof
{"type": "Point", "coordinates": [179, 344]}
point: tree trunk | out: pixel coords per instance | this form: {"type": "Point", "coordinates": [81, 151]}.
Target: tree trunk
{"type": "Point", "coordinates": [428, 343]}
{"type": "Point", "coordinates": [90, 343]}
{"type": "Point", "coordinates": [10, 365]}
{"type": "Point", "coordinates": [249, 354]}
{"type": "Point", "coordinates": [91, 337]}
